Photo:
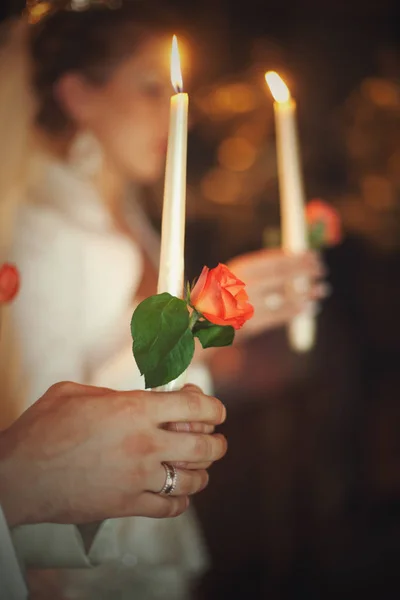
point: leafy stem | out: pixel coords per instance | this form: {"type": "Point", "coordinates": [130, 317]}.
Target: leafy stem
{"type": "Point", "coordinates": [194, 318]}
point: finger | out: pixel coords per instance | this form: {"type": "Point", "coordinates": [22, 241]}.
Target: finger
{"type": "Point", "coordinates": [312, 271]}
{"type": "Point", "coordinates": [65, 389]}
{"type": "Point", "coordinates": [193, 447]}
{"type": "Point", "coordinates": [190, 427]}
{"type": "Point", "coordinates": [275, 264]}
{"type": "Point", "coordinates": [158, 507]}
{"type": "Point", "coordinates": [187, 406]}
{"type": "Point", "coordinates": [188, 482]}
{"type": "Point", "coordinates": [298, 267]}
{"type": "Point", "coordinates": [279, 280]}
{"type": "Point", "coordinates": [265, 319]}
{"type": "Point", "coordinates": [320, 291]}
{"type": "Point", "coordinates": [192, 466]}
{"type": "Point", "coordinates": [191, 387]}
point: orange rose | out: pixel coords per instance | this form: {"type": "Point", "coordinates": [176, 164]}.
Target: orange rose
{"type": "Point", "coordinates": [9, 283]}
{"type": "Point", "coordinates": [221, 297]}
{"type": "Point", "coordinates": [321, 213]}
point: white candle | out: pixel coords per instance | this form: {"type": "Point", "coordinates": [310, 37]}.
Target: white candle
{"type": "Point", "coordinates": [172, 257]}
{"type": "Point", "coordinates": [294, 228]}
{"type": "Point", "coordinates": [171, 273]}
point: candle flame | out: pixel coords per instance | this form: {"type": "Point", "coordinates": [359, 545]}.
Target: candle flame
{"type": "Point", "coordinates": [278, 87]}
{"type": "Point", "coordinates": [176, 72]}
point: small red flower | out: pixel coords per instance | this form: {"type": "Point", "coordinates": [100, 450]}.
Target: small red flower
{"type": "Point", "coordinates": [221, 297]}
{"type": "Point", "coordinates": [322, 216]}
{"type": "Point", "coordinates": [9, 283]}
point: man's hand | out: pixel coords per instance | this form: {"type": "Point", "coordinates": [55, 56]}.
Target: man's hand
{"type": "Point", "coordinates": [83, 454]}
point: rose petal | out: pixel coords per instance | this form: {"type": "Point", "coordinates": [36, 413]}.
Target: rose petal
{"type": "Point", "coordinates": [230, 304]}
{"type": "Point", "coordinates": [229, 277]}
{"type": "Point", "coordinates": [199, 286]}
{"type": "Point", "coordinates": [215, 319]}
{"type": "Point", "coordinates": [242, 298]}
{"type": "Point", "coordinates": [210, 300]}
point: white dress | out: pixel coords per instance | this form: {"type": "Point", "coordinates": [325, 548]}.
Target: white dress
{"type": "Point", "coordinates": [79, 276]}
{"type": "Point", "coordinates": [12, 585]}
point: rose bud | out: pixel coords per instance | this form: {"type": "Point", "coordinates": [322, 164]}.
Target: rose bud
{"type": "Point", "coordinates": [318, 213]}
{"type": "Point", "coordinates": [221, 297]}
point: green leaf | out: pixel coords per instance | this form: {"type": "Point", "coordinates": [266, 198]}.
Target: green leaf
{"type": "Point", "coordinates": [173, 364]}
{"type": "Point", "coordinates": [163, 344]}
{"type": "Point", "coordinates": [214, 336]}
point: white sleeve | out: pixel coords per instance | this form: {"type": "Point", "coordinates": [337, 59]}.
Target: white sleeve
{"type": "Point", "coordinates": [49, 314]}
{"type": "Point", "coordinates": [12, 584]}
{"type": "Point", "coordinates": [49, 545]}
{"type": "Point", "coordinates": [49, 311]}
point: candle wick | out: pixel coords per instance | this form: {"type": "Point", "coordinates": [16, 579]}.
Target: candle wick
{"type": "Point", "coordinates": [178, 88]}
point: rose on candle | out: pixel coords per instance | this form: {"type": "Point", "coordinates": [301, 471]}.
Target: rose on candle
{"type": "Point", "coordinates": [294, 227]}
{"type": "Point", "coordinates": [164, 326]}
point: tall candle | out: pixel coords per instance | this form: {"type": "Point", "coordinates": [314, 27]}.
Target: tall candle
{"type": "Point", "coordinates": [172, 263]}
{"type": "Point", "coordinates": [172, 257]}
{"type": "Point", "coordinates": [294, 228]}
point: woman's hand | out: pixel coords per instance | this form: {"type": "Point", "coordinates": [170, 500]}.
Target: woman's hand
{"type": "Point", "coordinates": [82, 454]}
{"type": "Point", "coordinates": [279, 286]}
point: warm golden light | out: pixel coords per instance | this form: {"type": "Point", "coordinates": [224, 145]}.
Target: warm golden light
{"type": "Point", "coordinates": [278, 87]}
{"type": "Point", "coordinates": [236, 154]}
{"type": "Point", "coordinates": [176, 71]}
{"type": "Point", "coordinates": [37, 10]}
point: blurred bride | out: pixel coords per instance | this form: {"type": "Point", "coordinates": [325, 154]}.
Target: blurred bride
{"type": "Point", "coordinates": [84, 115]}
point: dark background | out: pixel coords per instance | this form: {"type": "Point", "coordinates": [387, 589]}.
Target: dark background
{"type": "Point", "coordinates": [307, 502]}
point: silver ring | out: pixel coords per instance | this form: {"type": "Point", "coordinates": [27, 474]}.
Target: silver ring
{"type": "Point", "coordinates": [273, 301]}
{"type": "Point", "coordinates": [171, 480]}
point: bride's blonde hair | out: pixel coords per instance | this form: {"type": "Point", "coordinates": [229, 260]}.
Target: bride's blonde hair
{"type": "Point", "coordinates": [33, 58]}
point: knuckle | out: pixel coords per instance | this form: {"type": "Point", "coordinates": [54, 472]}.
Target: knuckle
{"type": "Point", "coordinates": [203, 446]}
{"type": "Point", "coordinates": [62, 388]}
{"type": "Point", "coordinates": [191, 387]}
{"type": "Point", "coordinates": [194, 403]}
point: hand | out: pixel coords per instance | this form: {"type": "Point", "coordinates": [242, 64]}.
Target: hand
{"type": "Point", "coordinates": [82, 454]}
{"type": "Point", "coordinates": [279, 286]}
